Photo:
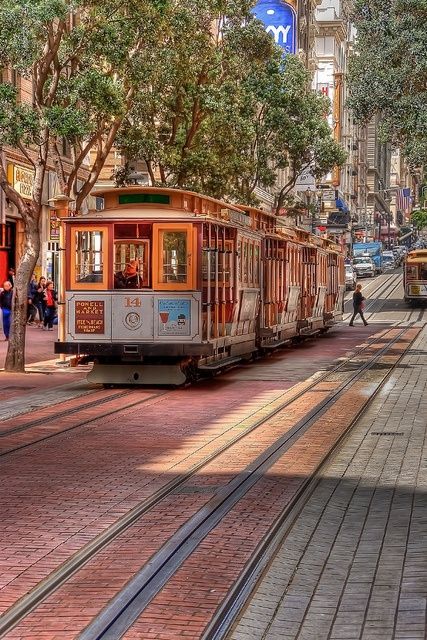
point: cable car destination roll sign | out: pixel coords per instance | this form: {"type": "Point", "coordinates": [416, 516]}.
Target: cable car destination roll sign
{"type": "Point", "coordinates": [89, 316]}
{"type": "Point", "coordinates": [280, 20]}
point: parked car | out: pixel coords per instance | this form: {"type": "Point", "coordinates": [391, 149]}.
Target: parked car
{"type": "Point", "coordinates": [389, 260]}
{"type": "Point", "coordinates": [364, 267]}
{"type": "Point", "coordinates": [398, 257]}
{"type": "Point", "coordinates": [350, 278]}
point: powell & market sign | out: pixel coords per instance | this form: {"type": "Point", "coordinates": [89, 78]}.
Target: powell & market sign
{"type": "Point", "coordinates": [22, 180]}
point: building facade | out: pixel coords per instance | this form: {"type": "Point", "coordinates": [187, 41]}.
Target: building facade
{"type": "Point", "coordinates": [334, 41]}
{"type": "Point", "coordinates": [21, 176]}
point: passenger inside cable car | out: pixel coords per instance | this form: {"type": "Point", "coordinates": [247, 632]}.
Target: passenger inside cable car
{"type": "Point", "coordinates": [129, 277]}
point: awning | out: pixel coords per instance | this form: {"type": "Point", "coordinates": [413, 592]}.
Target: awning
{"type": "Point", "coordinates": [342, 205]}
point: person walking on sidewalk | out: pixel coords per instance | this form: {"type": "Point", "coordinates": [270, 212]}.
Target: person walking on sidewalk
{"type": "Point", "coordinates": [51, 298]}
{"type": "Point", "coordinates": [358, 305]}
{"type": "Point", "coordinates": [6, 307]}
{"type": "Point", "coordinates": [31, 308]}
{"type": "Point", "coordinates": [39, 301]}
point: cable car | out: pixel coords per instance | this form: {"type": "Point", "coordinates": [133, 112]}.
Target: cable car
{"type": "Point", "coordinates": [415, 276]}
{"type": "Point", "coordinates": [164, 284]}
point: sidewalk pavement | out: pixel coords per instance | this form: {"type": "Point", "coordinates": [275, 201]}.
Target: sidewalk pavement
{"type": "Point", "coordinates": [353, 566]}
{"type": "Point", "coordinates": [43, 370]}
{"type": "Point", "coordinates": [39, 345]}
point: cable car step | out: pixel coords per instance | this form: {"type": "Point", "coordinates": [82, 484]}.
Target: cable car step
{"type": "Point", "coordinates": [275, 345]}
{"type": "Point", "coordinates": [309, 332]}
{"type": "Point", "coordinates": [219, 364]}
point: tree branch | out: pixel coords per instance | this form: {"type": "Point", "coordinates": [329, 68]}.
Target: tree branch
{"type": "Point", "coordinates": [79, 161]}
{"type": "Point", "coordinates": [26, 154]}
{"type": "Point", "coordinates": [59, 165]}
{"type": "Point", "coordinates": [150, 171]}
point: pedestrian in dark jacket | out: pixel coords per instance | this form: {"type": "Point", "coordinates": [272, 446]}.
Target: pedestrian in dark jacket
{"type": "Point", "coordinates": [39, 301]}
{"type": "Point", "coordinates": [6, 307]}
{"type": "Point", "coordinates": [31, 308]}
{"type": "Point", "coordinates": [358, 301]}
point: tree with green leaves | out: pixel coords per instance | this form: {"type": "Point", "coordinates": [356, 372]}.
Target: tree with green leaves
{"type": "Point", "coordinates": [185, 125]}
{"type": "Point", "coordinates": [85, 59]}
{"type": "Point", "coordinates": [388, 72]}
{"type": "Point", "coordinates": [291, 129]}
{"type": "Point", "coordinates": [229, 113]}
{"type": "Point", "coordinates": [419, 218]}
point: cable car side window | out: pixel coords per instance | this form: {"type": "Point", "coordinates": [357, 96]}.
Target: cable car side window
{"type": "Point", "coordinates": [89, 265]}
{"type": "Point", "coordinates": [174, 262]}
{"type": "Point", "coordinates": [174, 256]}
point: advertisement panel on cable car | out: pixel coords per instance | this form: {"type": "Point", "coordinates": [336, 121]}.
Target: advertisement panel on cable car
{"type": "Point", "coordinates": [280, 20]}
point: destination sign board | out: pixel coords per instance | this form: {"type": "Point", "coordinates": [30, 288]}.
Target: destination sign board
{"type": "Point", "coordinates": [89, 316]}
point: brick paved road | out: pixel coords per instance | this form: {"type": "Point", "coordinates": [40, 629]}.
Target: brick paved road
{"type": "Point", "coordinates": [354, 565]}
{"type": "Point", "coordinates": [61, 495]}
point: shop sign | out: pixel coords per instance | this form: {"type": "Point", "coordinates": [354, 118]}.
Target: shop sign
{"type": "Point", "coordinates": [89, 316]}
{"type": "Point", "coordinates": [22, 180]}
{"type": "Point", "coordinates": [280, 20]}
{"type": "Point", "coordinates": [305, 181]}
{"type": "Point", "coordinates": [54, 225]}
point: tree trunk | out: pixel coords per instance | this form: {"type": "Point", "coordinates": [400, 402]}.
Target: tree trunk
{"type": "Point", "coordinates": [15, 358]}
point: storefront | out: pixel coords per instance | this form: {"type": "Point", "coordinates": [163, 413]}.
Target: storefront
{"type": "Point", "coordinates": [7, 248]}
{"type": "Point", "coordinates": [11, 226]}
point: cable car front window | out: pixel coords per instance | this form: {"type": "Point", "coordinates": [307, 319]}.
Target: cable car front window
{"type": "Point", "coordinates": [89, 258]}
{"type": "Point", "coordinates": [174, 268]}
{"type": "Point", "coordinates": [131, 265]}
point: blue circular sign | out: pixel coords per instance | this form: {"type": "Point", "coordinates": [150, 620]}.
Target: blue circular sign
{"type": "Point", "coordinates": [280, 20]}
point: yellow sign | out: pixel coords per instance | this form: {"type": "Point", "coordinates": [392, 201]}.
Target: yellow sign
{"type": "Point", "coordinates": [22, 180]}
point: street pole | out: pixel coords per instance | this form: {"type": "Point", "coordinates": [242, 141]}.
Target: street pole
{"type": "Point", "coordinates": [61, 206]}
{"type": "Point", "coordinates": [388, 229]}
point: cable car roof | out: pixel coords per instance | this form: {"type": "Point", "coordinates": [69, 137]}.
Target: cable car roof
{"type": "Point", "coordinates": [417, 257]}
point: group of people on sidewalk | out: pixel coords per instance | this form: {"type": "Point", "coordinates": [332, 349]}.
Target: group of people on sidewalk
{"type": "Point", "coordinates": [42, 303]}
{"type": "Point", "coordinates": [42, 307]}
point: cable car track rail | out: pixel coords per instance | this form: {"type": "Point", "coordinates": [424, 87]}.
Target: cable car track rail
{"type": "Point", "coordinates": [72, 410]}
{"type": "Point", "coordinates": [125, 608]}
{"type": "Point", "coordinates": [90, 405]}
{"type": "Point", "coordinates": [381, 289]}
{"type": "Point", "coordinates": [59, 576]}
{"type": "Point", "coordinates": [62, 414]}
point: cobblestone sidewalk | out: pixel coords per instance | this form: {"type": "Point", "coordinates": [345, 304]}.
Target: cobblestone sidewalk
{"type": "Point", "coordinates": [354, 565]}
